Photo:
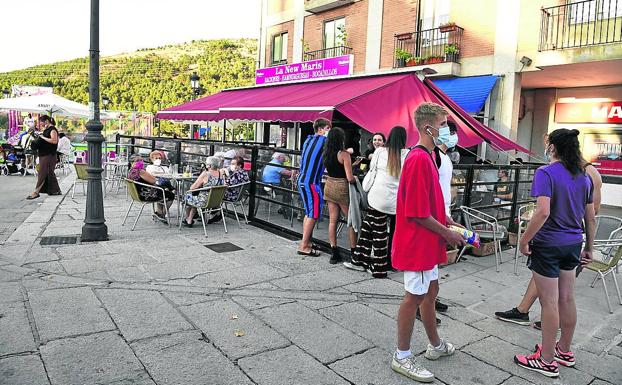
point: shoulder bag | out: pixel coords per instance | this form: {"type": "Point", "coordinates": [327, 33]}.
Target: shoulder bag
{"type": "Point", "coordinates": [370, 177]}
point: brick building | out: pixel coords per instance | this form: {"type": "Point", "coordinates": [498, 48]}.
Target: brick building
{"type": "Point", "coordinates": [556, 62]}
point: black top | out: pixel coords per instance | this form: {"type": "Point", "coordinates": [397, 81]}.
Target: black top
{"type": "Point", "coordinates": [46, 148]}
{"type": "Point", "coordinates": [334, 168]}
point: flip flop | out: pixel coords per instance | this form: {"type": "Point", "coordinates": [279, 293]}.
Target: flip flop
{"type": "Point", "coordinates": [31, 197]}
{"type": "Point", "coordinates": [312, 253]}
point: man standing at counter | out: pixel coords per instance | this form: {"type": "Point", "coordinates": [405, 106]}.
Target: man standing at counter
{"type": "Point", "coordinates": [309, 183]}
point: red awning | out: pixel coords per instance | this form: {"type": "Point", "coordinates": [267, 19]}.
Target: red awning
{"type": "Point", "coordinates": [376, 103]}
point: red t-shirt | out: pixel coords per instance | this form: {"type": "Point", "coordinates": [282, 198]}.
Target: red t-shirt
{"type": "Point", "coordinates": [419, 195]}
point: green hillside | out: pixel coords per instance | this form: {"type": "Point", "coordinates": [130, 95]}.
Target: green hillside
{"type": "Point", "coordinates": [149, 79]}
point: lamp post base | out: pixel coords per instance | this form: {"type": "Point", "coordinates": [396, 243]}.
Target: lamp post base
{"type": "Point", "coordinates": [94, 232]}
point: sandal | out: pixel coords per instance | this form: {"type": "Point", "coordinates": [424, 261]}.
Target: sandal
{"type": "Point", "coordinates": [312, 253]}
{"type": "Point", "coordinates": [30, 197]}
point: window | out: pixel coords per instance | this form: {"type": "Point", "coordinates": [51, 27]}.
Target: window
{"type": "Point", "coordinates": [586, 11]}
{"type": "Point", "coordinates": [334, 33]}
{"type": "Point", "coordinates": [279, 48]}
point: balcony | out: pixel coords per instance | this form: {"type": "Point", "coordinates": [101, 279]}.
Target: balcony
{"type": "Point", "coordinates": [430, 46]}
{"type": "Point", "coordinates": [581, 24]}
{"type": "Point", "coordinates": [327, 52]}
{"type": "Point", "coordinates": [317, 6]}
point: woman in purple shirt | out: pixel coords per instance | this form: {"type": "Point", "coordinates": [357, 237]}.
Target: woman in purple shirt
{"type": "Point", "coordinates": [553, 241]}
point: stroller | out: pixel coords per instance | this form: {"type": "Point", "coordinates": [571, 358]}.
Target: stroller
{"type": "Point", "coordinates": [12, 160]}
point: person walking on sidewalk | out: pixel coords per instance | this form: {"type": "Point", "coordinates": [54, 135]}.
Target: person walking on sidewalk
{"type": "Point", "coordinates": [336, 190]}
{"type": "Point", "coordinates": [553, 241]}
{"type": "Point", "coordinates": [381, 184]}
{"type": "Point", "coordinates": [47, 144]}
{"type": "Point", "coordinates": [421, 236]}
{"type": "Point", "coordinates": [309, 183]}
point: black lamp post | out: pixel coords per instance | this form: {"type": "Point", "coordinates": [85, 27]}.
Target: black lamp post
{"type": "Point", "coordinates": [5, 93]}
{"type": "Point", "coordinates": [94, 228]}
{"type": "Point", "coordinates": [194, 83]}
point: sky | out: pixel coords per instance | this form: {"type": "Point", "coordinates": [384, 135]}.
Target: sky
{"type": "Point", "coordinates": [45, 31]}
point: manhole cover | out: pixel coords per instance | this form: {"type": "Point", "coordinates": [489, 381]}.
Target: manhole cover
{"type": "Point", "coordinates": [46, 241]}
{"type": "Point", "coordinates": [224, 247]}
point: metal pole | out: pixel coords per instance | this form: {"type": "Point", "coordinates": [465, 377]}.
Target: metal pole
{"type": "Point", "coordinates": [94, 228]}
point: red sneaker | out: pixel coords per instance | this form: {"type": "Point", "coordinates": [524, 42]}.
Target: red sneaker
{"type": "Point", "coordinates": [536, 363]}
{"type": "Point", "coordinates": [563, 358]}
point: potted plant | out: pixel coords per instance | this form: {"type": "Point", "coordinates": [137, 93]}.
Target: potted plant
{"type": "Point", "coordinates": [305, 46]}
{"type": "Point", "coordinates": [402, 57]}
{"type": "Point", "coordinates": [435, 60]}
{"type": "Point", "coordinates": [448, 27]}
{"type": "Point", "coordinates": [451, 52]}
{"type": "Point", "coordinates": [452, 255]}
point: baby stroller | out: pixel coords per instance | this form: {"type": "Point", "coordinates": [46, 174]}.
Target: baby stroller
{"type": "Point", "coordinates": [11, 160]}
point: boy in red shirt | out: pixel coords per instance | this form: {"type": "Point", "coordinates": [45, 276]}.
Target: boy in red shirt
{"type": "Point", "coordinates": [419, 243]}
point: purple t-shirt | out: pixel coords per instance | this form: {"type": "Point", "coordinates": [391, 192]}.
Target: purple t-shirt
{"type": "Point", "coordinates": [569, 195]}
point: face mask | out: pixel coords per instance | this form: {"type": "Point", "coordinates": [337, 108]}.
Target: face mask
{"type": "Point", "coordinates": [139, 165]}
{"type": "Point", "coordinates": [326, 133]}
{"type": "Point", "coordinates": [547, 156]}
{"type": "Point", "coordinates": [233, 167]}
{"type": "Point", "coordinates": [452, 141]}
{"type": "Point", "coordinates": [157, 162]}
{"type": "Point", "coordinates": [443, 135]}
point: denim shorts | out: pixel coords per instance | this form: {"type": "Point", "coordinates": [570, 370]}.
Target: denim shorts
{"type": "Point", "coordinates": [549, 260]}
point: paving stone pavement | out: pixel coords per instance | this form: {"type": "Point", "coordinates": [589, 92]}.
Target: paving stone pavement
{"type": "Point", "coordinates": [155, 306]}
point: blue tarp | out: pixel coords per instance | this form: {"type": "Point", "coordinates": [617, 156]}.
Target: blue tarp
{"type": "Point", "coordinates": [470, 93]}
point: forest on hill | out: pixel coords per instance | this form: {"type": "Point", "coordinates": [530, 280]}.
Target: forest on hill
{"type": "Point", "coordinates": [148, 79]}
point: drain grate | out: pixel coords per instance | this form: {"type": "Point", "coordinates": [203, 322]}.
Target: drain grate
{"type": "Point", "coordinates": [47, 241]}
{"type": "Point", "coordinates": [224, 247]}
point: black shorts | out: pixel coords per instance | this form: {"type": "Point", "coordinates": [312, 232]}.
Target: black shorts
{"type": "Point", "coordinates": [549, 260]}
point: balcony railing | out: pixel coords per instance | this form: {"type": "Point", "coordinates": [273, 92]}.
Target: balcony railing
{"type": "Point", "coordinates": [581, 24]}
{"type": "Point", "coordinates": [430, 46]}
{"type": "Point", "coordinates": [327, 52]}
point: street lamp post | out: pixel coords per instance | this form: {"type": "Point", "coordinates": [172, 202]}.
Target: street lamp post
{"type": "Point", "coordinates": [94, 228]}
{"type": "Point", "coordinates": [196, 90]}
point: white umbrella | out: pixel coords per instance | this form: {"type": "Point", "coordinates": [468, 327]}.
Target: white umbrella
{"type": "Point", "coordinates": [47, 104]}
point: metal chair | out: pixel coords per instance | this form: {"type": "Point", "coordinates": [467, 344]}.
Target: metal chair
{"type": "Point", "coordinates": [239, 201]}
{"type": "Point", "coordinates": [133, 192]}
{"type": "Point", "coordinates": [63, 164]}
{"type": "Point", "coordinates": [524, 216]}
{"type": "Point", "coordinates": [602, 269]}
{"type": "Point", "coordinates": [492, 230]}
{"type": "Point", "coordinates": [606, 225]}
{"type": "Point", "coordinates": [214, 202]}
{"type": "Point", "coordinates": [82, 177]}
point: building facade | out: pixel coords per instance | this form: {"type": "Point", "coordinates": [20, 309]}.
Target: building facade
{"type": "Point", "coordinates": [557, 62]}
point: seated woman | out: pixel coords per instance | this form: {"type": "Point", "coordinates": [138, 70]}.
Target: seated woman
{"type": "Point", "coordinates": [210, 177]}
{"type": "Point", "coordinates": [233, 175]}
{"type": "Point", "coordinates": [156, 166]}
{"type": "Point", "coordinates": [138, 173]}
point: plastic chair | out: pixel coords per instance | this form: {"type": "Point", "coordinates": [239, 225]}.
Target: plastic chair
{"type": "Point", "coordinates": [524, 216]}
{"type": "Point", "coordinates": [133, 192]}
{"type": "Point", "coordinates": [602, 269]}
{"type": "Point", "coordinates": [492, 230]}
{"type": "Point", "coordinates": [239, 201]}
{"type": "Point", "coordinates": [214, 202]}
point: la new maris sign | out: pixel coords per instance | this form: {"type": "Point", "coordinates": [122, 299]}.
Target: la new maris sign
{"type": "Point", "coordinates": [309, 70]}
{"type": "Point", "coordinates": [589, 112]}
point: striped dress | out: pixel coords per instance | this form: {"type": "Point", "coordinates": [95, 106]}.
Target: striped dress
{"type": "Point", "coordinates": [310, 178]}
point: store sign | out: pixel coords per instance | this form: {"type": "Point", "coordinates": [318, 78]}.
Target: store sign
{"type": "Point", "coordinates": [309, 70]}
{"type": "Point", "coordinates": [589, 112]}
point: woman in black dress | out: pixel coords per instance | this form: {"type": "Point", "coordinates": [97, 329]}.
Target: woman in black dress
{"type": "Point", "coordinates": [47, 144]}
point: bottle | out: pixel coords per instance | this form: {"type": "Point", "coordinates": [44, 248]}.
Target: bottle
{"type": "Point", "coordinates": [471, 237]}
{"type": "Point", "coordinates": [187, 171]}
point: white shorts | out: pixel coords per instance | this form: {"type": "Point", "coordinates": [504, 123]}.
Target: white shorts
{"type": "Point", "coordinates": [418, 282]}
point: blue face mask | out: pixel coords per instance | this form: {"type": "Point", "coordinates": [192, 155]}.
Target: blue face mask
{"type": "Point", "coordinates": [443, 135]}
{"type": "Point", "coordinates": [547, 156]}
{"type": "Point", "coordinates": [452, 141]}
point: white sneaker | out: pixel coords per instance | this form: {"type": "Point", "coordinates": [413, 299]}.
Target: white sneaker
{"type": "Point", "coordinates": [433, 353]}
{"type": "Point", "coordinates": [351, 266]}
{"type": "Point", "coordinates": [411, 369]}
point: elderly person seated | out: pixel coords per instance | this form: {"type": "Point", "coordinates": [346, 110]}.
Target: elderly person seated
{"type": "Point", "coordinates": [272, 174]}
{"type": "Point", "coordinates": [138, 173]}
{"type": "Point", "coordinates": [210, 177]}
{"type": "Point", "coordinates": [156, 167]}
{"type": "Point", "coordinates": [233, 175]}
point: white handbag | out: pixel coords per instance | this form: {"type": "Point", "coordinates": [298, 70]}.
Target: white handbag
{"type": "Point", "coordinates": [370, 177]}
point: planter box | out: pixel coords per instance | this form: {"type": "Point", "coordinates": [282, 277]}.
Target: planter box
{"type": "Point", "coordinates": [448, 28]}
{"type": "Point", "coordinates": [486, 248]}
{"type": "Point", "coordinates": [451, 257]}
{"type": "Point", "coordinates": [512, 239]}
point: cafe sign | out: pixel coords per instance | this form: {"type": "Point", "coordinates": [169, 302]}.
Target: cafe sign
{"type": "Point", "coordinates": [589, 112]}
{"type": "Point", "coordinates": [308, 70]}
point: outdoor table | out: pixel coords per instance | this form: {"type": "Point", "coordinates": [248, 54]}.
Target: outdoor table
{"type": "Point", "coordinates": [118, 172]}
{"type": "Point", "coordinates": [179, 180]}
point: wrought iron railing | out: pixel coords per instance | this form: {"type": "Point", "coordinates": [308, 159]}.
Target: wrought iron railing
{"type": "Point", "coordinates": [340, 50]}
{"type": "Point", "coordinates": [581, 24]}
{"type": "Point", "coordinates": [429, 46]}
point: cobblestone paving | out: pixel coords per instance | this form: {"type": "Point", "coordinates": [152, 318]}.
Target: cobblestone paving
{"type": "Point", "coordinates": [155, 306]}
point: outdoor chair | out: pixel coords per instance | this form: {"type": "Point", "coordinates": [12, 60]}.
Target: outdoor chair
{"type": "Point", "coordinates": [239, 202]}
{"type": "Point", "coordinates": [82, 177]}
{"type": "Point", "coordinates": [214, 203]}
{"type": "Point", "coordinates": [606, 225]}
{"type": "Point", "coordinates": [524, 216]}
{"type": "Point", "coordinates": [133, 192]}
{"type": "Point", "coordinates": [602, 269]}
{"type": "Point", "coordinates": [63, 164]}
{"type": "Point", "coordinates": [491, 230]}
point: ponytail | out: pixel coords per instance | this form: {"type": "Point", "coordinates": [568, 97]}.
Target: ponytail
{"type": "Point", "coordinates": [567, 149]}
{"type": "Point", "coordinates": [46, 118]}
